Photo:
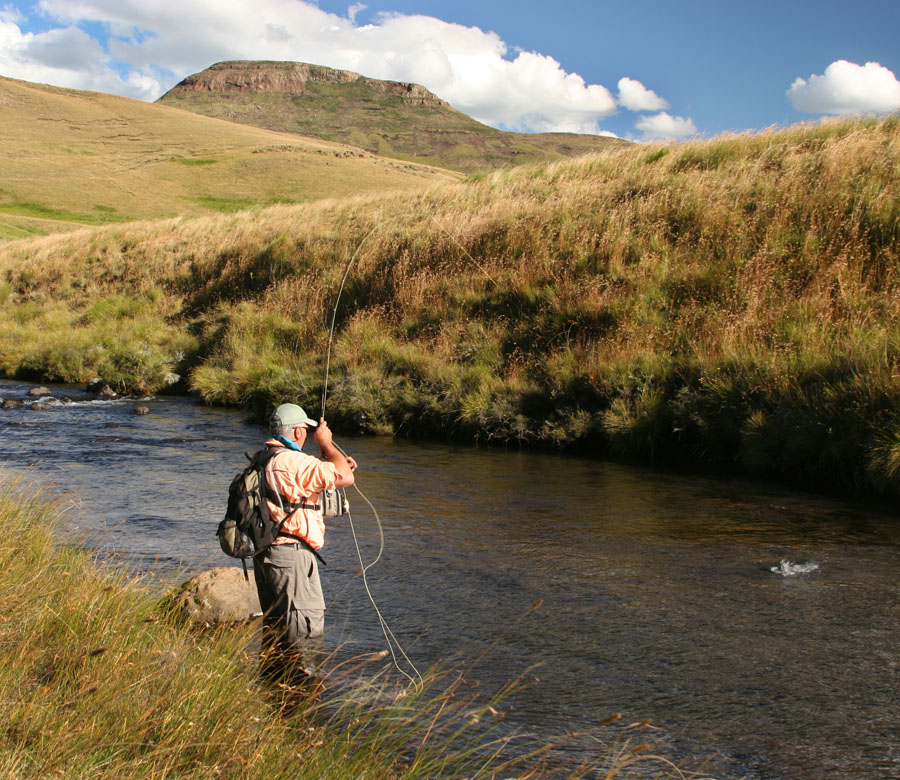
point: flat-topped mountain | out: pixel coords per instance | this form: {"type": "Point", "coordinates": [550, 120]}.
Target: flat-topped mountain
{"type": "Point", "coordinates": [297, 78]}
{"type": "Point", "coordinates": [388, 118]}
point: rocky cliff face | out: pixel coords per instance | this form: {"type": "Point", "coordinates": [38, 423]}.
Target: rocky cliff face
{"type": "Point", "coordinates": [293, 78]}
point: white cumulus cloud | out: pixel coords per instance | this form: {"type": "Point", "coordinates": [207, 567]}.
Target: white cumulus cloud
{"type": "Point", "coordinates": [636, 97]}
{"type": "Point", "coordinates": [665, 127]}
{"type": "Point", "coordinates": [64, 56]}
{"type": "Point", "coordinates": [847, 88]}
{"type": "Point", "coordinates": [151, 46]}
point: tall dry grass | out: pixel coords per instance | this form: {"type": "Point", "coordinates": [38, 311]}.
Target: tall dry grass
{"type": "Point", "coordinates": [730, 303]}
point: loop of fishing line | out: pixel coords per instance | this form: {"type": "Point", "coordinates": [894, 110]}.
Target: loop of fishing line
{"type": "Point", "coordinates": [465, 251]}
{"type": "Point", "coordinates": [389, 635]}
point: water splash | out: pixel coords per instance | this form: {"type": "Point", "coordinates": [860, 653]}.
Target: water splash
{"type": "Point", "coordinates": [788, 569]}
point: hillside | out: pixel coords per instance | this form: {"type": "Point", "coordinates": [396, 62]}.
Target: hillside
{"type": "Point", "coordinates": [387, 118]}
{"type": "Point", "coordinates": [727, 304]}
{"type": "Point", "coordinates": [70, 158]}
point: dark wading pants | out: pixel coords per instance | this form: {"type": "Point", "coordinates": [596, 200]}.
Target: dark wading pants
{"type": "Point", "coordinates": [290, 595]}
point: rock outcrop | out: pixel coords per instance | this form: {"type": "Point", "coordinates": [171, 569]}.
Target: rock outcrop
{"type": "Point", "coordinates": [293, 78]}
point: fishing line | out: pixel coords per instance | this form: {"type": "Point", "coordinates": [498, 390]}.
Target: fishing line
{"type": "Point", "coordinates": [337, 301]}
{"type": "Point", "coordinates": [364, 568]}
{"type": "Point", "coordinates": [465, 251]}
{"type": "Point", "coordinates": [350, 262]}
{"type": "Point", "coordinates": [389, 636]}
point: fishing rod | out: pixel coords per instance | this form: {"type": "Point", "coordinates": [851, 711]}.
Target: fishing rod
{"type": "Point", "coordinates": [389, 635]}
{"type": "Point", "coordinates": [364, 568]}
{"type": "Point", "coordinates": [334, 312]}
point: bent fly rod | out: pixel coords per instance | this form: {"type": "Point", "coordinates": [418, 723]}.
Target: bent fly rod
{"type": "Point", "coordinates": [386, 630]}
{"type": "Point", "coordinates": [389, 636]}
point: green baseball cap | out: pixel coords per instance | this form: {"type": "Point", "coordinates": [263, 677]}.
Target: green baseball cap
{"type": "Point", "coordinates": [289, 414]}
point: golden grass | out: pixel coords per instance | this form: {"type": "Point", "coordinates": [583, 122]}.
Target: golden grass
{"type": "Point", "coordinates": [731, 302]}
{"type": "Point", "coordinates": [71, 157]}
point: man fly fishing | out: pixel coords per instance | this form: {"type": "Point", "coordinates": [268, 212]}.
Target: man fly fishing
{"type": "Point", "coordinates": [287, 573]}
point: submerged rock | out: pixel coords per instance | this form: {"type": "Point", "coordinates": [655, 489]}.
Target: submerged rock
{"type": "Point", "coordinates": [141, 410]}
{"type": "Point", "coordinates": [39, 391]}
{"type": "Point", "coordinates": [41, 406]}
{"type": "Point", "coordinates": [218, 596]}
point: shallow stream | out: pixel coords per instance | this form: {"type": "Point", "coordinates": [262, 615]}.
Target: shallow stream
{"type": "Point", "coordinates": [757, 627]}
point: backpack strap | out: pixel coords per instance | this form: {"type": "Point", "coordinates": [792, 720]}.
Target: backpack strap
{"type": "Point", "coordinates": [285, 504]}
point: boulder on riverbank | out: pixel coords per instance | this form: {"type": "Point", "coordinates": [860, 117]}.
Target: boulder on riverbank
{"type": "Point", "coordinates": [216, 597]}
{"type": "Point", "coordinates": [102, 390]}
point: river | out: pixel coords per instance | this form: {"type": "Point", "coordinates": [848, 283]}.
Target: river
{"type": "Point", "coordinates": [757, 627]}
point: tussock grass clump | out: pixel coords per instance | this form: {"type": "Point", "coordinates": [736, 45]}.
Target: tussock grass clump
{"type": "Point", "coordinates": [99, 681]}
{"type": "Point", "coordinates": [732, 303]}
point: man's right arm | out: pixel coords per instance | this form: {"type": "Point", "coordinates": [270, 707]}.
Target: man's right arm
{"type": "Point", "coordinates": [344, 465]}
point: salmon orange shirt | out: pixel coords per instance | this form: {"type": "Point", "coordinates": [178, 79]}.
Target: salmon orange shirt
{"type": "Point", "coordinates": [299, 478]}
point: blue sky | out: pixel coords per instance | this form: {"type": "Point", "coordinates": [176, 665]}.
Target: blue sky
{"type": "Point", "coordinates": [641, 69]}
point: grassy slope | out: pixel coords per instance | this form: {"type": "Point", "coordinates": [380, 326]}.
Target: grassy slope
{"type": "Point", "coordinates": [731, 303]}
{"type": "Point", "coordinates": [72, 158]}
{"type": "Point", "coordinates": [358, 113]}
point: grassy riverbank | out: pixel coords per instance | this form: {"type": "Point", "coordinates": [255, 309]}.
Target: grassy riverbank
{"type": "Point", "coordinates": [98, 682]}
{"type": "Point", "coordinates": [732, 303]}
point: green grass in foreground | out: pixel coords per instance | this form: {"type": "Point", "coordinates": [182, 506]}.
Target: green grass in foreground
{"type": "Point", "coordinates": [99, 682]}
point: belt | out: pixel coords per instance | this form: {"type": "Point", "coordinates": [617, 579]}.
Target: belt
{"type": "Point", "coordinates": [301, 544]}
